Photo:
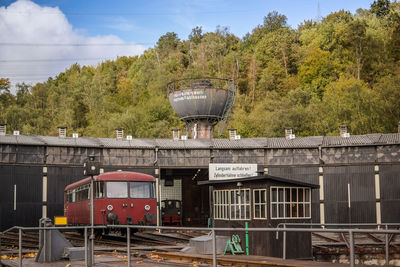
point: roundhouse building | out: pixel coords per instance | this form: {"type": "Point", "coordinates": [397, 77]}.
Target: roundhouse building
{"type": "Point", "coordinates": [359, 176]}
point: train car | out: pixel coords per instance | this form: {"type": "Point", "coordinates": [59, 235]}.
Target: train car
{"type": "Point", "coordinates": [119, 198]}
{"type": "Point", "coordinates": [171, 211]}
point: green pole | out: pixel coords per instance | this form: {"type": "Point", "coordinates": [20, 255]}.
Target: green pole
{"type": "Point", "coordinates": [246, 225]}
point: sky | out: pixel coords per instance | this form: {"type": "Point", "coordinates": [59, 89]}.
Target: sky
{"type": "Point", "coordinates": [41, 38]}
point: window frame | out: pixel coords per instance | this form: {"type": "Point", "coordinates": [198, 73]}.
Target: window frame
{"type": "Point", "coordinates": [260, 191]}
{"type": "Point", "coordinates": [291, 202]}
{"type": "Point", "coordinates": [223, 205]}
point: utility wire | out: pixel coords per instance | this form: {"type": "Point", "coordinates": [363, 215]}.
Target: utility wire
{"type": "Point", "coordinates": [132, 13]}
{"type": "Point", "coordinates": [72, 44]}
{"type": "Point", "coordinates": [50, 60]}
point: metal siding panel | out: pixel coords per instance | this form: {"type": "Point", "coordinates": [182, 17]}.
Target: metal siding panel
{"type": "Point", "coordinates": [29, 195]}
{"type": "Point", "coordinates": [58, 178]}
{"type": "Point", "coordinates": [389, 210]}
{"type": "Point", "coordinates": [390, 182]}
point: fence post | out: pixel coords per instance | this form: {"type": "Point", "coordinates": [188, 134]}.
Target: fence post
{"type": "Point", "coordinates": [214, 247]}
{"type": "Point", "coordinates": [284, 242]}
{"type": "Point", "coordinates": [387, 248]}
{"type": "Point", "coordinates": [86, 248]}
{"type": "Point", "coordinates": [352, 257]}
{"type": "Point", "coordinates": [20, 246]}
{"type": "Point", "coordinates": [1, 234]}
{"type": "Point", "coordinates": [128, 245]}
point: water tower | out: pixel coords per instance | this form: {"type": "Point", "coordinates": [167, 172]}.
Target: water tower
{"type": "Point", "coordinates": [202, 103]}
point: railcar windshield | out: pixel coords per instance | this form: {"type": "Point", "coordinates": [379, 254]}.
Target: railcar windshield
{"type": "Point", "coordinates": [117, 189]}
{"type": "Point", "coordinates": [141, 189]}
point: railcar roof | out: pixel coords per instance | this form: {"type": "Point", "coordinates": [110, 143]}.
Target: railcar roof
{"type": "Point", "coordinates": [244, 143]}
{"type": "Point", "coordinates": [114, 176]}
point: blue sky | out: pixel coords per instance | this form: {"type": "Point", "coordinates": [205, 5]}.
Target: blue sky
{"type": "Point", "coordinates": [126, 22]}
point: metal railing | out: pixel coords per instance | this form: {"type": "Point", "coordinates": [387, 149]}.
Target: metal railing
{"type": "Point", "coordinates": [326, 225]}
{"type": "Point", "coordinates": [283, 229]}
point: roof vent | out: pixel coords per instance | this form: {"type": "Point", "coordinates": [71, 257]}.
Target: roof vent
{"type": "Point", "coordinates": [16, 132]}
{"type": "Point", "coordinates": [289, 134]}
{"type": "Point", "coordinates": [119, 133]}
{"type": "Point", "coordinates": [237, 137]}
{"type": "Point", "coordinates": [175, 134]}
{"type": "Point", "coordinates": [62, 131]}
{"type": "Point", "coordinates": [3, 128]}
{"type": "Point", "coordinates": [75, 135]}
{"type": "Point", "coordinates": [343, 131]}
{"type": "Point", "coordinates": [184, 137]}
{"type": "Point", "coordinates": [129, 137]}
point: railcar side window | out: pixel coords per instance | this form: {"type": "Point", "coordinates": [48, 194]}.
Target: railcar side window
{"type": "Point", "coordinates": [117, 189]}
{"type": "Point", "coordinates": [141, 189]}
{"type": "Point", "coordinates": [99, 189]}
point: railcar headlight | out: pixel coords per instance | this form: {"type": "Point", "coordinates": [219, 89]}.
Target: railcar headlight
{"type": "Point", "coordinates": [147, 207]}
{"type": "Point", "coordinates": [110, 207]}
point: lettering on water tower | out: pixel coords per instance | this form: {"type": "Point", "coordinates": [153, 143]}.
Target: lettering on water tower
{"type": "Point", "coordinates": [189, 95]}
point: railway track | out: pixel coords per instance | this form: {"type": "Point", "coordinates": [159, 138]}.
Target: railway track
{"type": "Point", "coordinates": [139, 240]}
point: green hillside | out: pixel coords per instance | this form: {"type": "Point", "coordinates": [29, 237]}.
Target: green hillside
{"type": "Point", "coordinates": [342, 70]}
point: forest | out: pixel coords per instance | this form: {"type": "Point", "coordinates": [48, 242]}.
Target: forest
{"type": "Point", "coordinates": [343, 69]}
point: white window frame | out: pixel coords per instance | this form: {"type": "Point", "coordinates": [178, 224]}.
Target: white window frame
{"type": "Point", "coordinates": [260, 192]}
{"type": "Point", "coordinates": [227, 208]}
{"type": "Point", "coordinates": [237, 208]}
{"type": "Point", "coordinates": [291, 202]}
{"type": "Point", "coordinates": [221, 202]}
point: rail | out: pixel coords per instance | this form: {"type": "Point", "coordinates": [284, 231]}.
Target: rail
{"type": "Point", "coordinates": [128, 228]}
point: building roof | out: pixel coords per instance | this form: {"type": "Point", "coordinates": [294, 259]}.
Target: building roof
{"type": "Point", "coordinates": [243, 143]}
{"type": "Point", "coordinates": [264, 177]}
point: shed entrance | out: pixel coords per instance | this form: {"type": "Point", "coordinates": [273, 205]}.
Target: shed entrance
{"type": "Point", "coordinates": [181, 184]}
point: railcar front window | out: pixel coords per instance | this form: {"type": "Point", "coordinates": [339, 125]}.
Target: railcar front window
{"type": "Point", "coordinates": [141, 189]}
{"type": "Point", "coordinates": [117, 189]}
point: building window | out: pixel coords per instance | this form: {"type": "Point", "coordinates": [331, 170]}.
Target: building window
{"type": "Point", "coordinates": [290, 202]}
{"type": "Point", "coordinates": [240, 204]}
{"type": "Point", "coordinates": [232, 204]}
{"type": "Point", "coordinates": [260, 203]}
{"type": "Point", "coordinates": [221, 204]}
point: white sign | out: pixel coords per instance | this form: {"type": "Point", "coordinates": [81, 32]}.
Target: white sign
{"type": "Point", "coordinates": [226, 171]}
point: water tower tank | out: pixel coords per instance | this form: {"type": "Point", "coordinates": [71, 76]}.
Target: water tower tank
{"type": "Point", "coordinates": [202, 103]}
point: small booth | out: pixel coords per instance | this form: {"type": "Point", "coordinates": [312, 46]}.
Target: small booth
{"type": "Point", "coordinates": [263, 201]}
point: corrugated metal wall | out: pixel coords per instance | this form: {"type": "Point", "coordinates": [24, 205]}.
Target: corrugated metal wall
{"type": "Point", "coordinates": [28, 181]}
{"type": "Point", "coordinates": [362, 194]}
{"type": "Point", "coordinates": [390, 193]}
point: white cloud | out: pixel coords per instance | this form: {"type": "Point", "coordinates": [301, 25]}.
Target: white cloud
{"type": "Point", "coordinates": [25, 24]}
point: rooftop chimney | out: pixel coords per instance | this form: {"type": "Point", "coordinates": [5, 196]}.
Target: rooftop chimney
{"type": "Point", "coordinates": [343, 131]}
{"type": "Point", "coordinates": [232, 134]}
{"type": "Point", "coordinates": [119, 133]}
{"type": "Point", "coordinates": [62, 131]}
{"type": "Point", "coordinates": [176, 134]}
{"type": "Point", "coordinates": [3, 128]}
{"type": "Point", "coordinates": [289, 133]}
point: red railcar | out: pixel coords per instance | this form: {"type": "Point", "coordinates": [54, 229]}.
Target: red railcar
{"type": "Point", "coordinates": [120, 198]}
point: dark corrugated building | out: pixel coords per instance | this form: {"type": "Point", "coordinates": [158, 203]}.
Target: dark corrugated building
{"type": "Point", "coordinates": [359, 176]}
